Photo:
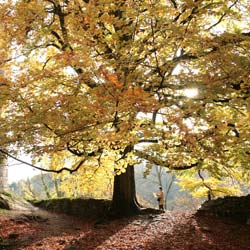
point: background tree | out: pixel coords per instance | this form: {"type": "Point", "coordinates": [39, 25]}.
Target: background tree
{"type": "Point", "coordinates": [158, 176]}
{"type": "Point", "coordinates": [3, 173]}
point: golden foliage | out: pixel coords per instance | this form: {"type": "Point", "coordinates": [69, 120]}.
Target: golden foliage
{"type": "Point", "coordinates": [106, 80]}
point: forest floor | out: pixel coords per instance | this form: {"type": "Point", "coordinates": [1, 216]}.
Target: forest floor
{"type": "Point", "coordinates": [42, 230]}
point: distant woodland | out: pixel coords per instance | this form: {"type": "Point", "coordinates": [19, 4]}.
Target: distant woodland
{"type": "Point", "coordinates": [48, 186]}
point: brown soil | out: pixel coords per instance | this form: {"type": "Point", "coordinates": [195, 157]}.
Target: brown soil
{"type": "Point", "coordinates": [42, 230]}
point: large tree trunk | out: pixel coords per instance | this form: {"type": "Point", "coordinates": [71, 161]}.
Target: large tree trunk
{"type": "Point", "coordinates": [124, 200]}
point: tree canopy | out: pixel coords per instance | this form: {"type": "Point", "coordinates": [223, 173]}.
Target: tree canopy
{"type": "Point", "coordinates": [108, 81]}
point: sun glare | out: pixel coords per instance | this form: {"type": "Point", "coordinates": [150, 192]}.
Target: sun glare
{"type": "Point", "coordinates": [192, 92]}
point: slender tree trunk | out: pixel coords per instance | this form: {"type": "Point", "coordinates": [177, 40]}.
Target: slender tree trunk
{"type": "Point", "coordinates": [58, 193]}
{"type": "Point", "coordinates": [30, 189]}
{"type": "Point", "coordinates": [3, 173]}
{"type": "Point", "coordinates": [168, 189]}
{"type": "Point", "coordinates": [45, 186]}
{"type": "Point", "coordinates": [124, 200]}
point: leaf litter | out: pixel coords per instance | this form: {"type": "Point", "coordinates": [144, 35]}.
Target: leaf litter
{"type": "Point", "coordinates": [168, 231]}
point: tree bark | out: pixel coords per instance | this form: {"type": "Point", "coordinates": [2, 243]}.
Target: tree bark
{"type": "Point", "coordinates": [124, 200]}
{"type": "Point", "coordinates": [3, 173]}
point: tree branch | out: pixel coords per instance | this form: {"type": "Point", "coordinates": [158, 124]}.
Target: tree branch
{"type": "Point", "coordinates": [44, 169]}
{"type": "Point", "coordinates": [155, 161]}
{"type": "Point", "coordinates": [174, 3]}
{"type": "Point", "coordinates": [210, 190]}
{"type": "Point", "coordinates": [222, 16]}
{"type": "Point", "coordinates": [148, 140]}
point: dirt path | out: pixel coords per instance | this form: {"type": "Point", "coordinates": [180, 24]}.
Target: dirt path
{"type": "Point", "coordinates": [37, 229]}
{"type": "Point", "coordinates": [41, 230]}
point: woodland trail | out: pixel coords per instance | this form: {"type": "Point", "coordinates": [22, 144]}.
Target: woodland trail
{"type": "Point", "coordinates": [42, 230]}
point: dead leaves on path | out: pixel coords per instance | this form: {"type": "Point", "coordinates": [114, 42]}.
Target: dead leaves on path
{"type": "Point", "coordinates": [168, 231]}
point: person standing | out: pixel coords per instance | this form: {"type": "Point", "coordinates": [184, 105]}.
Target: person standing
{"type": "Point", "coordinates": [160, 198]}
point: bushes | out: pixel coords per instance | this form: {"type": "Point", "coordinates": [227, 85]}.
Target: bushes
{"type": "Point", "coordinates": [89, 208]}
{"type": "Point", "coordinates": [237, 208]}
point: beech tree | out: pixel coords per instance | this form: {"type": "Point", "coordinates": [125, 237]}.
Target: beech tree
{"type": "Point", "coordinates": [107, 81]}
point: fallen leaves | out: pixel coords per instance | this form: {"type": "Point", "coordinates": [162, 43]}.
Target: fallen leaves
{"type": "Point", "coordinates": [168, 231]}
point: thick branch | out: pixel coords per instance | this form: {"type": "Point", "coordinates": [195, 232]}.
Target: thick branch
{"type": "Point", "coordinates": [44, 169]}
{"type": "Point", "coordinates": [155, 161]}
{"type": "Point", "coordinates": [210, 190]}
{"type": "Point", "coordinates": [185, 167]}
{"type": "Point", "coordinates": [58, 38]}
{"type": "Point", "coordinates": [74, 151]}
{"type": "Point", "coordinates": [174, 3]}
{"type": "Point", "coordinates": [148, 141]}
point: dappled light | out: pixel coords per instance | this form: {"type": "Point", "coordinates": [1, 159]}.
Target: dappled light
{"type": "Point", "coordinates": [113, 100]}
{"type": "Point", "coordinates": [192, 92]}
{"type": "Point", "coordinates": [171, 230]}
